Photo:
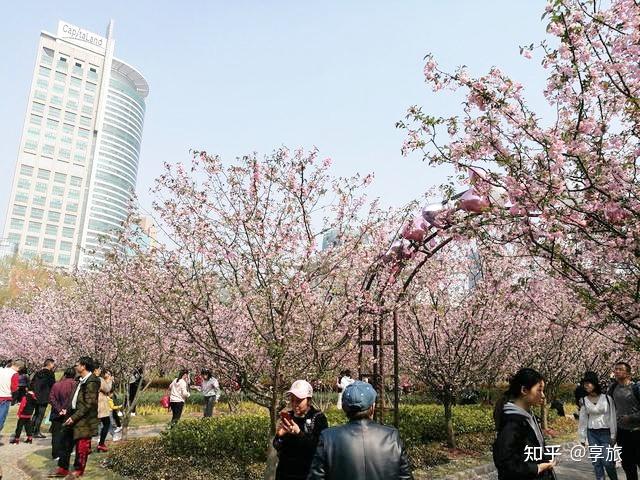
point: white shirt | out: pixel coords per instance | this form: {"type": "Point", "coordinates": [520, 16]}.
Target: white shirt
{"type": "Point", "coordinates": [178, 391]}
{"type": "Point", "coordinates": [599, 415]}
{"type": "Point", "coordinates": [344, 383]}
{"type": "Point", "coordinates": [75, 395]}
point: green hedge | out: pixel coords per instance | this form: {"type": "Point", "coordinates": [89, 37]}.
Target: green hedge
{"type": "Point", "coordinates": [241, 437]}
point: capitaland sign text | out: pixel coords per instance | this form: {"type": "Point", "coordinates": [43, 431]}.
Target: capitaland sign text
{"type": "Point", "coordinates": [78, 34]}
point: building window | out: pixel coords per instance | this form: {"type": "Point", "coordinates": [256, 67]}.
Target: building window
{"type": "Point", "coordinates": [55, 203]}
{"type": "Point", "coordinates": [60, 178]}
{"type": "Point", "coordinates": [76, 82]}
{"type": "Point", "coordinates": [47, 257]}
{"type": "Point", "coordinates": [24, 183]}
{"type": "Point", "coordinates": [26, 170]}
{"type": "Point", "coordinates": [14, 238]}
{"type": "Point", "coordinates": [31, 241]}
{"type": "Point", "coordinates": [61, 77]}
{"type": "Point", "coordinates": [19, 210]}
{"type": "Point", "coordinates": [51, 229]}
{"type": "Point", "coordinates": [44, 174]}
{"type": "Point", "coordinates": [65, 246]}
{"type": "Point", "coordinates": [44, 71]}
{"type": "Point", "coordinates": [37, 213]}
{"type": "Point", "coordinates": [82, 133]}
{"type": "Point", "coordinates": [85, 121]}
{"type": "Point", "coordinates": [31, 145]}
{"type": "Point", "coordinates": [17, 223]}
{"type": "Point", "coordinates": [64, 153]}
{"type": "Point", "coordinates": [41, 187]}
{"type": "Point", "coordinates": [51, 136]}
{"type": "Point", "coordinates": [35, 227]}
{"type": "Point", "coordinates": [21, 197]}
{"type": "Point", "coordinates": [67, 232]}
{"type": "Point", "coordinates": [39, 200]}
{"type": "Point", "coordinates": [52, 124]}
{"type": "Point", "coordinates": [77, 69]}
{"type": "Point", "coordinates": [38, 108]}
{"type": "Point", "coordinates": [54, 112]}
{"type": "Point", "coordinates": [66, 128]}
{"type": "Point", "coordinates": [72, 105]}
{"type": "Point", "coordinates": [48, 150]}
{"type": "Point", "coordinates": [42, 83]}
{"type": "Point", "coordinates": [93, 74]}
{"type": "Point", "coordinates": [72, 207]}
{"type": "Point", "coordinates": [58, 191]}
{"type": "Point", "coordinates": [81, 145]}
{"type": "Point", "coordinates": [79, 158]}
{"type": "Point", "coordinates": [70, 117]}
{"type": "Point", "coordinates": [90, 87]}
{"type": "Point", "coordinates": [49, 243]}
{"type": "Point", "coordinates": [35, 119]}
{"type": "Point", "coordinates": [53, 216]}
{"type": "Point", "coordinates": [64, 259]}
{"type": "Point", "coordinates": [87, 109]}
{"type": "Point", "coordinates": [75, 94]}
{"type": "Point", "coordinates": [70, 219]}
{"type": "Point", "coordinates": [40, 95]}
{"type": "Point", "coordinates": [29, 254]}
{"type": "Point", "coordinates": [33, 133]}
{"type": "Point", "coordinates": [76, 181]}
{"type": "Point", "coordinates": [56, 100]}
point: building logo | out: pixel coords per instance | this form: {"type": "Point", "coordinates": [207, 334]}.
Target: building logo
{"type": "Point", "coordinates": [69, 31]}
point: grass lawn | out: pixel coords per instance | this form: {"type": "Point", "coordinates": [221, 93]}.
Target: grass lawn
{"type": "Point", "coordinates": [42, 462]}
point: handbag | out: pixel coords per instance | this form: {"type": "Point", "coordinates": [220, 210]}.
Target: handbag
{"type": "Point", "coordinates": [164, 401]}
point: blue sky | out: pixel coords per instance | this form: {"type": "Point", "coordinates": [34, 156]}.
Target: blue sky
{"type": "Point", "coordinates": [236, 77]}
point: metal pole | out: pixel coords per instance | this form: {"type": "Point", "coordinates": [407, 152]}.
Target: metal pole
{"type": "Point", "coordinates": [396, 372]}
{"type": "Point", "coordinates": [381, 367]}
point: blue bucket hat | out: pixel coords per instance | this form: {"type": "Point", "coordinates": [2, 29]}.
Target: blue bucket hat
{"type": "Point", "coordinates": [358, 397]}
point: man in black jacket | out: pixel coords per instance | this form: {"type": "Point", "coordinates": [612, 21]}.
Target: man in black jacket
{"type": "Point", "coordinates": [41, 385]}
{"type": "Point", "coordinates": [361, 449]}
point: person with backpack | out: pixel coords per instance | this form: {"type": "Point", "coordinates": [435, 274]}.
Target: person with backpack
{"type": "Point", "coordinates": [519, 434]}
{"type": "Point", "coordinates": [26, 407]}
{"type": "Point", "coordinates": [597, 425]}
{"type": "Point", "coordinates": [626, 396]}
{"type": "Point", "coordinates": [41, 384]}
{"type": "Point", "coordinates": [297, 433]}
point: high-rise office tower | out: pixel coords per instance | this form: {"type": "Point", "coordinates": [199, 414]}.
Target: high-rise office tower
{"type": "Point", "coordinates": [78, 155]}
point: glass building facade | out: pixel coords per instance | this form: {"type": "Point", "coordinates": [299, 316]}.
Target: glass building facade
{"type": "Point", "coordinates": [78, 156]}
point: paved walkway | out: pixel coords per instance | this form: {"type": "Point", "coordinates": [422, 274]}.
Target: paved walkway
{"type": "Point", "coordinates": [569, 470]}
{"type": "Point", "coordinates": [11, 454]}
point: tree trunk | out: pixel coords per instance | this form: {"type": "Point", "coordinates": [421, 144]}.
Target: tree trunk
{"type": "Point", "coordinates": [544, 415]}
{"type": "Point", "coordinates": [448, 417]}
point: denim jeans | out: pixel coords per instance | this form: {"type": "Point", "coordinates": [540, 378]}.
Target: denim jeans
{"type": "Point", "coordinates": [209, 404]}
{"type": "Point", "coordinates": [601, 437]}
{"type": "Point", "coordinates": [4, 411]}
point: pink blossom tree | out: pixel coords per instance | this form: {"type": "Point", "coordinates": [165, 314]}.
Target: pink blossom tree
{"type": "Point", "coordinates": [565, 187]}
{"type": "Point", "coordinates": [243, 275]}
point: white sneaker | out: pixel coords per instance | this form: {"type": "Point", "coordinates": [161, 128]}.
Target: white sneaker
{"type": "Point", "coordinates": [133, 414]}
{"type": "Point", "coordinates": [117, 430]}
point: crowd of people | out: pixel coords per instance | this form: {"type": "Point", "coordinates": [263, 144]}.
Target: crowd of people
{"type": "Point", "coordinates": [83, 404]}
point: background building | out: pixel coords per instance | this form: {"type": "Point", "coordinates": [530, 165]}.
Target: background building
{"type": "Point", "coordinates": [78, 156]}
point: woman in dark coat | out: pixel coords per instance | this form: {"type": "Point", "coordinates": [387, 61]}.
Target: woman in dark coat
{"type": "Point", "coordinates": [519, 434]}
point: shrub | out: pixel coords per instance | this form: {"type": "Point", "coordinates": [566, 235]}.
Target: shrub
{"type": "Point", "coordinates": [148, 459]}
{"type": "Point", "coordinates": [425, 423]}
{"type": "Point", "coordinates": [242, 437]}
{"type": "Point", "coordinates": [426, 455]}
